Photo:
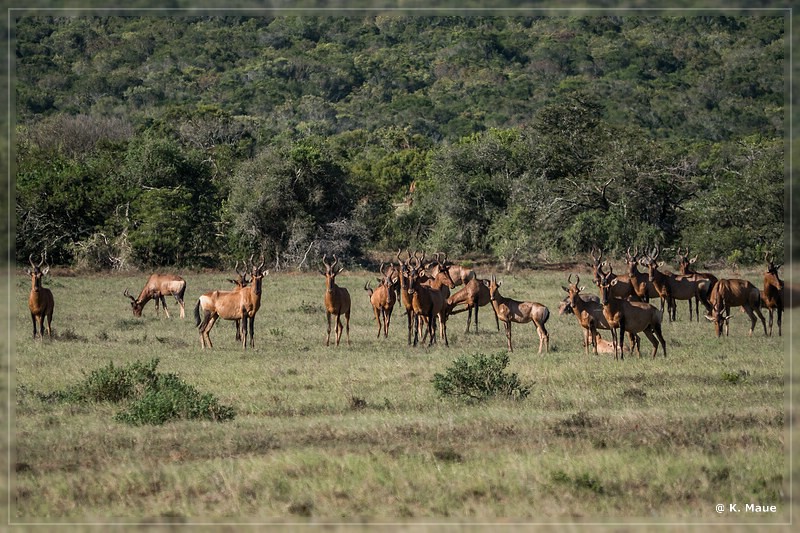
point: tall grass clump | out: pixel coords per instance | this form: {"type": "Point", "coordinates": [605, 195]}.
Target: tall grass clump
{"type": "Point", "coordinates": [478, 377]}
{"type": "Point", "coordinates": [150, 397]}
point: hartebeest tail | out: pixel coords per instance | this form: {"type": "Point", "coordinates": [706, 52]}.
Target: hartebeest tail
{"type": "Point", "coordinates": [40, 301]}
{"type": "Point", "coordinates": [156, 287]}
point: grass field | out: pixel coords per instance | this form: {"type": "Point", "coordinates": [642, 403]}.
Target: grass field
{"type": "Point", "coordinates": [359, 434]}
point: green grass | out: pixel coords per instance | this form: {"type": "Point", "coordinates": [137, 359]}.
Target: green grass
{"type": "Point", "coordinates": [360, 434]}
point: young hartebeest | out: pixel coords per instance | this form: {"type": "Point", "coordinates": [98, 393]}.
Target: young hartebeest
{"type": "Point", "coordinates": [772, 295]}
{"type": "Point", "coordinates": [509, 311]}
{"type": "Point", "coordinates": [474, 294]}
{"type": "Point", "coordinates": [382, 300]}
{"type": "Point", "coordinates": [40, 301]}
{"type": "Point", "coordinates": [158, 286]}
{"type": "Point", "coordinates": [729, 293]}
{"type": "Point", "coordinates": [633, 317]}
{"type": "Point", "coordinates": [337, 300]}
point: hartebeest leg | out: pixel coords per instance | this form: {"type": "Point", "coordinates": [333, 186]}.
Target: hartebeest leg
{"type": "Point", "coordinates": [328, 338]}
{"type": "Point", "coordinates": [50, 319]}
{"type": "Point", "coordinates": [378, 312]}
{"type": "Point", "coordinates": [469, 319]}
{"type": "Point", "coordinates": [164, 305]}
{"type": "Point", "coordinates": [388, 315]}
{"type": "Point", "coordinates": [780, 312]}
{"type": "Point", "coordinates": [252, 334]}
{"type": "Point", "coordinates": [544, 337]}
{"type": "Point", "coordinates": [508, 336]}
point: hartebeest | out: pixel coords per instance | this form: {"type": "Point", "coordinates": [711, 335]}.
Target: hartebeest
{"type": "Point", "coordinates": [509, 311]}
{"type": "Point", "coordinates": [239, 305]}
{"type": "Point", "coordinates": [589, 312]}
{"type": "Point", "coordinates": [40, 301]}
{"type": "Point", "coordinates": [706, 280]}
{"type": "Point", "coordinates": [458, 273]}
{"type": "Point", "coordinates": [729, 293]}
{"type": "Point", "coordinates": [428, 303]}
{"type": "Point", "coordinates": [337, 300]}
{"type": "Point", "coordinates": [382, 300]}
{"type": "Point", "coordinates": [772, 295]}
{"type": "Point", "coordinates": [633, 317]}
{"type": "Point", "coordinates": [474, 294]}
{"type": "Point", "coordinates": [156, 288]}
{"type": "Point", "coordinates": [671, 287]}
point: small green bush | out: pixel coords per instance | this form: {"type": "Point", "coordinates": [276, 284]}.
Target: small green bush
{"type": "Point", "coordinates": [150, 397]}
{"type": "Point", "coordinates": [478, 377]}
{"type": "Point", "coordinates": [168, 398]}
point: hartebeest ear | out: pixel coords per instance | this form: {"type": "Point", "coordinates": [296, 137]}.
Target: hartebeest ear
{"type": "Point", "coordinates": [581, 289]}
{"type": "Point", "coordinates": [565, 289]}
{"type": "Point", "coordinates": [613, 282]}
{"type": "Point", "coordinates": [485, 282]}
{"type": "Point", "coordinates": [660, 264]}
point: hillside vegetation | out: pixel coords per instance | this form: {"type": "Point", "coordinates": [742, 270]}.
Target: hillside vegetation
{"type": "Point", "coordinates": [150, 141]}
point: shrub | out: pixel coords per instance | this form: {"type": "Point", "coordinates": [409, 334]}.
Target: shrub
{"type": "Point", "coordinates": [478, 377]}
{"type": "Point", "coordinates": [151, 398]}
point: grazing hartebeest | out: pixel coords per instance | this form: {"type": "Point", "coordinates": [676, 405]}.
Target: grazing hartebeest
{"type": "Point", "coordinates": [40, 301]}
{"type": "Point", "coordinates": [337, 300]}
{"type": "Point", "coordinates": [474, 294]}
{"type": "Point", "coordinates": [772, 295]}
{"type": "Point", "coordinates": [735, 292]}
{"type": "Point", "coordinates": [382, 300]}
{"type": "Point", "coordinates": [509, 311]}
{"type": "Point", "coordinates": [634, 317]}
{"type": "Point", "coordinates": [158, 286]}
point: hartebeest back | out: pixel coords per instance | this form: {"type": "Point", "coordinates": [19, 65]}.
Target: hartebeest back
{"type": "Point", "coordinates": [40, 300]}
{"type": "Point", "coordinates": [337, 300]}
{"type": "Point", "coordinates": [158, 286]}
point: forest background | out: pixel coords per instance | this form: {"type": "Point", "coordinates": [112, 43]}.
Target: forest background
{"type": "Point", "coordinates": [173, 140]}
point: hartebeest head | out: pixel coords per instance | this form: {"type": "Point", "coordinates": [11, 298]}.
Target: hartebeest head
{"type": "Point", "coordinates": [330, 272]}
{"type": "Point", "coordinates": [771, 275]}
{"type": "Point", "coordinates": [36, 272]}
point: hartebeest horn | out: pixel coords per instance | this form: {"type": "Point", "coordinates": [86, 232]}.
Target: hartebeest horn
{"type": "Point", "coordinates": [128, 294]}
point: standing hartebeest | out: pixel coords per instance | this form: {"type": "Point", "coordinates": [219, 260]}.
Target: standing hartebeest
{"type": "Point", "coordinates": [509, 311]}
{"type": "Point", "coordinates": [474, 294]}
{"type": "Point", "coordinates": [158, 286]}
{"type": "Point", "coordinates": [706, 280]}
{"type": "Point", "coordinates": [40, 301]}
{"type": "Point", "coordinates": [772, 295]}
{"type": "Point", "coordinates": [337, 300]}
{"type": "Point", "coordinates": [240, 305]}
{"type": "Point", "coordinates": [633, 317]}
{"type": "Point", "coordinates": [382, 300]}
{"type": "Point", "coordinates": [729, 293]}
{"type": "Point", "coordinates": [672, 287]}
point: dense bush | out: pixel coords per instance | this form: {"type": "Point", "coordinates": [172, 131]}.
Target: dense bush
{"type": "Point", "coordinates": [479, 377]}
{"type": "Point", "coordinates": [149, 397]}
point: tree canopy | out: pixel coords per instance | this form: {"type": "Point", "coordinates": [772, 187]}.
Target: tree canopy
{"type": "Point", "coordinates": [186, 140]}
